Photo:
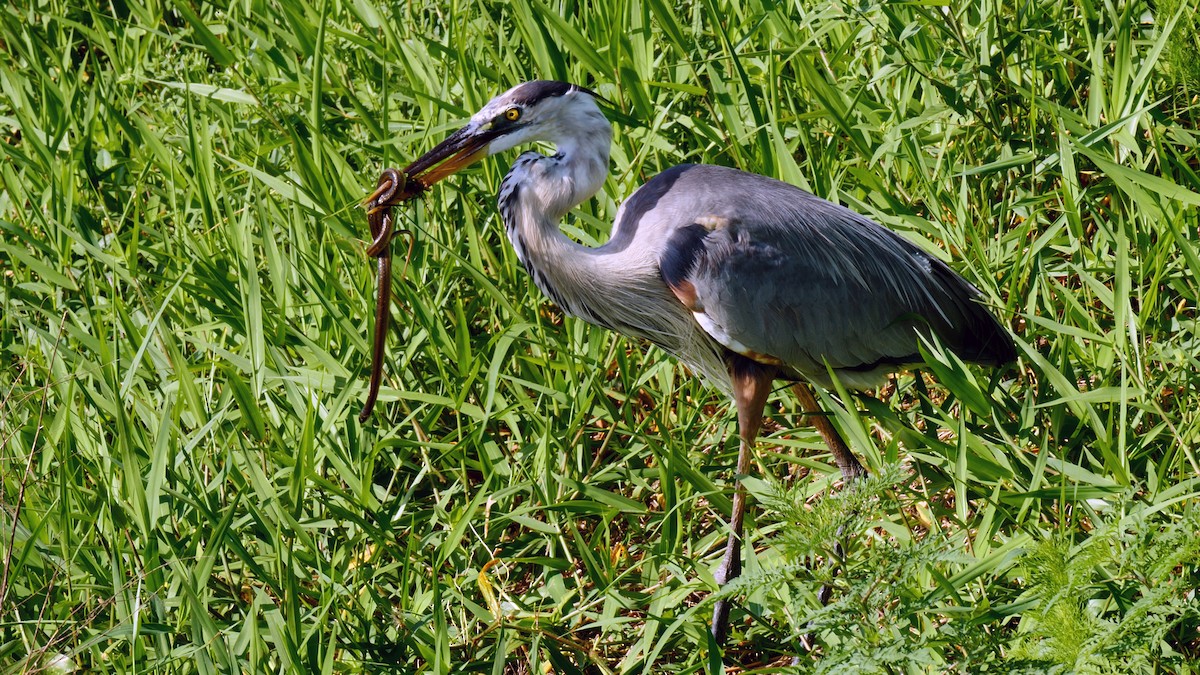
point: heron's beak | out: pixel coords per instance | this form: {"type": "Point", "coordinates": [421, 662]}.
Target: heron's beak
{"type": "Point", "coordinates": [460, 150]}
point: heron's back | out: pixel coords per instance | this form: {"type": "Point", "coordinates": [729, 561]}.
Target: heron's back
{"type": "Point", "coordinates": [780, 275]}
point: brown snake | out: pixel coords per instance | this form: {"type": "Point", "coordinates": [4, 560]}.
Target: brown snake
{"type": "Point", "coordinates": [392, 188]}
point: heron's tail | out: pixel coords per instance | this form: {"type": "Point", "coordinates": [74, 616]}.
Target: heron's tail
{"type": "Point", "coordinates": [975, 334]}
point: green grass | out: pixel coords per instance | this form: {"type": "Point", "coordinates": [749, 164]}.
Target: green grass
{"type": "Point", "coordinates": [184, 325]}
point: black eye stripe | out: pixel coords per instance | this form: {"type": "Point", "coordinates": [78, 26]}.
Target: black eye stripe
{"type": "Point", "coordinates": [532, 92]}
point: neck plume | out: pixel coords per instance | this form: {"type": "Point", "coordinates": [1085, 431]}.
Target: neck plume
{"type": "Point", "coordinates": [614, 286]}
{"type": "Point", "coordinates": [539, 190]}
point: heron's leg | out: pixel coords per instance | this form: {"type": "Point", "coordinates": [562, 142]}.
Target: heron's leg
{"type": "Point", "coordinates": [845, 459]}
{"type": "Point", "coordinates": [751, 386]}
{"type": "Point", "coordinates": [851, 470]}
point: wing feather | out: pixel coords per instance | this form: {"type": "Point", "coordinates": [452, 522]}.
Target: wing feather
{"type": "Point", "coordinates": [775, 272]}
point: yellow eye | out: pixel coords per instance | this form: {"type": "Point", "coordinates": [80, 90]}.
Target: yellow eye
{"type": "Point", "coordinates": [512, 114]}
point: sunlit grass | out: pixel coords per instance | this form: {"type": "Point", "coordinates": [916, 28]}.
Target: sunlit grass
{"type": "Point", "coordinates": [185, 319]}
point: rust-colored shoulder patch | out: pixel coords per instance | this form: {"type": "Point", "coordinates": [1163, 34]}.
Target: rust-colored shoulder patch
{"type": "Point", "coordinates": [686, 292]}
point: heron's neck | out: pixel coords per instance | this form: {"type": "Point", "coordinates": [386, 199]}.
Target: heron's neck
{"type": "Point", "coordinates": [549, 187]}
{"type": "Point", "coordinates": [537, 192]}
{"type": "Point", "coordinates": [619, 287]}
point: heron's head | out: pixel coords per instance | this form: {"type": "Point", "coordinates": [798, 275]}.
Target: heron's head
{"type": "Point", "coordinates": [542, 110]}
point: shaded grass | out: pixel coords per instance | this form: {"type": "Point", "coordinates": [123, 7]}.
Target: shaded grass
{"type": "Point", "coordinates": [185, 308]}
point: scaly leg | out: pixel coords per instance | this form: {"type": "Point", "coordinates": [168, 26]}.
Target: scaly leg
{"type": "Point", "coordinates": [751, 386]}
{"type": "Point", "coordinates": [845, 459]}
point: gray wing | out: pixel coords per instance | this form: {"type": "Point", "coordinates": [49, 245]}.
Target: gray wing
{"type": "Point", "coordinates": [781, 276]}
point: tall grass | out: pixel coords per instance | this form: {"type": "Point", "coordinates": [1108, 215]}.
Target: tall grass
{"type": "Point", "coordinates": [184, 326]}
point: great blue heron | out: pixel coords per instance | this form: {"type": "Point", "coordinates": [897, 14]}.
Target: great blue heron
{"type": "Point", "coordinates": [744, 278]}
